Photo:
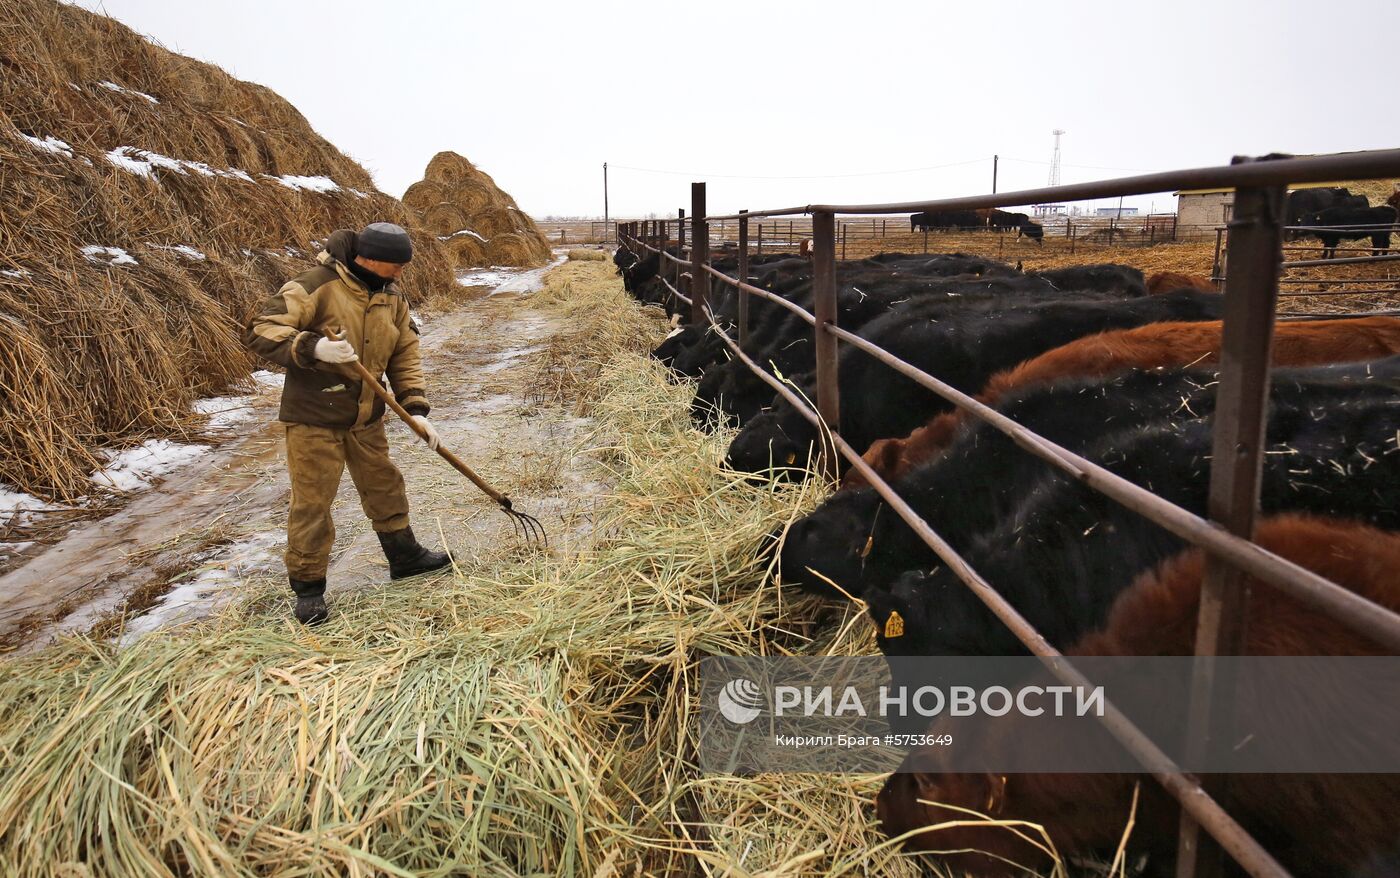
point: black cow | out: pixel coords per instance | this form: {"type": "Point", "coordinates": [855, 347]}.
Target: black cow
{"type": "Point", "coordinates": [1350, 223]}
{"type": "Point", "coordinates": [1002, 220]}
{"type": "Point", "coordinates": [624, 259]}
{"type": "Point", "coordinates": [1106, 278]}
{"type": "Point", "coordinates": [1305, 201]}
{"type": "Point", "coordinates": [1034, 231]}
{"type": "Point", "coordinates": [856, 541]}
{"type": "Point", "coordinates": [944, 219]}
{"type": "Point", "coordinates": [961, 349]}
{"type": "Point", "coordinates": [1067, 551]}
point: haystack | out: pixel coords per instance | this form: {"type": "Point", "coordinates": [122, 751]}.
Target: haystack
{"type": "Point", "coordinates": [458, 200]}
{"type": "Point", "coordinates": [151, 202]}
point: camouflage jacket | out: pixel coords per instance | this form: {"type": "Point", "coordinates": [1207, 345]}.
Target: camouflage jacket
{"type": "Point", "coordinates": [329, 298]}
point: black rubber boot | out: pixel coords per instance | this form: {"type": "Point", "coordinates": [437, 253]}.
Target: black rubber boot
{"type": "Point", "coordinates": [407, 557]}
{"type": "Point", "coordinates": [311, 600]}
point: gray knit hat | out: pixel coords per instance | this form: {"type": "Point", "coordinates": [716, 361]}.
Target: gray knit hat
{"type": "Point", "coordinates": [384, 242]}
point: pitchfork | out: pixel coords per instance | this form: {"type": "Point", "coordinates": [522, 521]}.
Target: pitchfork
{"type": "Point", "coordinates": [526, 525]}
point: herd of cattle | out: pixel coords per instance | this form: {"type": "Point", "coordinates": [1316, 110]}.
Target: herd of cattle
{"type": "Point", "coordinates": [1116, 369]}
{"type": "Point", "coordinates": [1333, 215]}
{"type": "Point", "coordinates": [1330, 214]}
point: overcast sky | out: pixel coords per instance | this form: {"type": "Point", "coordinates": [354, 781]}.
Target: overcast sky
{"type": "Point", "coordinates": [778, 104]}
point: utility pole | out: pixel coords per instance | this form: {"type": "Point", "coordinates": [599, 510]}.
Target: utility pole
{"type": "Point", "coordinates": [605, 202]}
{"type": "Point", "coordinates": [994, 174]}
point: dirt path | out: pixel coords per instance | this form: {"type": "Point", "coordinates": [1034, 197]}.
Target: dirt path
{"type": "Point", "coordinates": [181, 549]}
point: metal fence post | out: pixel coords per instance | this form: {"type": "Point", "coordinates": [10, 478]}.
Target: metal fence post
{"type": "Point", "coordinates": [699, 255]}
{"type": "Point", "coordinates": [759, 250]}
{"type": "Point", "coordinates": [744, 277]}
{"type": "Point", "coordinates": [1242, 399]}
{"type": "Point", "coordinates": [824, 310]}
{"type": "Point", "coordinates": [680, 248]}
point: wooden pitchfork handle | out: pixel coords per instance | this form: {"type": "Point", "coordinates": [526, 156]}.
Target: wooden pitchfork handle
{"type": "Point", "coordinates": [399, 410]}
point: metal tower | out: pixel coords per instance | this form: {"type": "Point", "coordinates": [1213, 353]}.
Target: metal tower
{"type": "Point", "coordinates": [1055, 160]}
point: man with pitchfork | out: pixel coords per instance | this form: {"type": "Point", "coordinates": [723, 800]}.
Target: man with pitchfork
{"type": "Point", "coordinates": [344, 310]}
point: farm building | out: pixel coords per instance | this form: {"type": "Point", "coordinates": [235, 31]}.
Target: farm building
{"type": "Point", "coordinates": [1204, 207]}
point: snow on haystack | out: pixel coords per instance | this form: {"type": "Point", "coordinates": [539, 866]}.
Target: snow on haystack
{"type": "Point", "coordinates": [310, 184]}
{"type": "Point", "coordinates": [108, 255]}
{"type": "Point", "coordinates": [112, 86]}
{"type": "Point", "coordinates": [184, 250]}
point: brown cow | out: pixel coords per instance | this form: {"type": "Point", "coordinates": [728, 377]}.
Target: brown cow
{"type": "Point", "coordinates": [1318, 824]}
{"type": "Point", "coordinates": [1166, 281]}
{"type": "Point", "coordinates": [1154, 346]}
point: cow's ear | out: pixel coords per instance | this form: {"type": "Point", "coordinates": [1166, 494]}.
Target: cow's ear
{"type": "Point", "coordinates": [879, 604]}
{"type": "Point", "coordinates": [889, 612]}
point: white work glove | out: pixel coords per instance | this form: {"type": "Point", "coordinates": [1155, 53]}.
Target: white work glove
{"type": "Point", "coordinates": [331, 351]}
{"type": "Point", "coordinates": [428, 430]}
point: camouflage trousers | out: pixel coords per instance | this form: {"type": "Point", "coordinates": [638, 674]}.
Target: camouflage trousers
{"type": "Point", "coordinates": [316, 458]}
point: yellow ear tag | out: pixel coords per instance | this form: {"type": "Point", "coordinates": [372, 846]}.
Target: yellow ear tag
{"type": "Point", "coordinates": [791, 458]}
{"type": "Point", "coordinates": [869, 544]}
{"type": "Point", "coordinates": [894, 625]}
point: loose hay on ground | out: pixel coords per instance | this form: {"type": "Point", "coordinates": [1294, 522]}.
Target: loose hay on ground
{"type": "Point", "coordinates": [527, 715]}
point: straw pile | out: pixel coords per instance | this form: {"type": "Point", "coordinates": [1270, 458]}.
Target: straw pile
{"type": "Point", "coordinates": [151, 203]}
{"type": "Point", "coordinates": [527, 715]}
{"type": "Point", "coordinates": [478, 222]}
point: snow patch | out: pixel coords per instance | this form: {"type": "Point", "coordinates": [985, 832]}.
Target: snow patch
{"type": "Point", "coordinates": [358, 194]}
{"type": "Point", "coordinates": [225, 411]}
{"type": "Point", "coordinates": [311, 184]}
{"type": "Point", "coordinates": [108, 255]}
{"type": "Point", "coordinates": [112, 86]}
{"type": "Point", "coordinates": [134, 469]}
{"type": "Point", "coordinates": [215, 583]}
{"type": "Point", "coordinates": [461, 232]}
{"type": "Point", "coordinates": [487, 277]}
{"type": "Point", "coordinates": [269, 379]}
{"type": "Point", "coordinates": [17, 507]}
{"type": "Point", "coordinates": [16, 273]}
{"type": "Point", "coordinates": [184, 250]}
{"type": "Point", "coordinates": [50, 144]}
{"type": "Point", "coordinates": [138, 161]}
{"type": "Point", "coordinates": [120, 158]}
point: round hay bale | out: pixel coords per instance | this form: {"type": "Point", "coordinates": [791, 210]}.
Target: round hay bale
{"type": "Point", "coordinates": [465, 251]}
{"type": "Point", "coordinates": [424, 194]}
{"type": "Point", "coordinates": [515, 249]}
{"type": "Point", "coordinates": [587, 256]}
{"type": "Point", "coordinates": [445, 217]}
{"type": "Point", "coordinates": [497, 220]}
{"type": "Point", "coordinates": [473, 196]}
{"type": "Point", "coordinates": [450, 168]}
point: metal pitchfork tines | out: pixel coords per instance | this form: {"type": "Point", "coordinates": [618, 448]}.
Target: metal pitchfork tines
{"type": "Point", "coordinates": [527, 526]}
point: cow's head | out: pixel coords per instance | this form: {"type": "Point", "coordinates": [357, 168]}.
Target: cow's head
{"type": "Point", "coordinates": [778, 441]}
{"type": "Point", "coordinates": [833, 543]}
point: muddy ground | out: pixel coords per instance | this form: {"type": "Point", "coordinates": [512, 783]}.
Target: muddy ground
{"type": "Point", "coordinates": [215, 527]}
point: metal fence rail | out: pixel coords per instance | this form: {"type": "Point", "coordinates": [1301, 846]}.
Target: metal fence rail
{"type": "Point", "coordinates": [1251, 276]}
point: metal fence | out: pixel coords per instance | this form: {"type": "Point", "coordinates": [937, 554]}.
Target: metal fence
{"type": "Point", "coordinates": [1090, 238]}
{"type": "Point", "coordinates": [1251, 277]}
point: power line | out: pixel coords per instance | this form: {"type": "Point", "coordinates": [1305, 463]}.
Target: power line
{"type": "Point", "coordinates": [700, 175]}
